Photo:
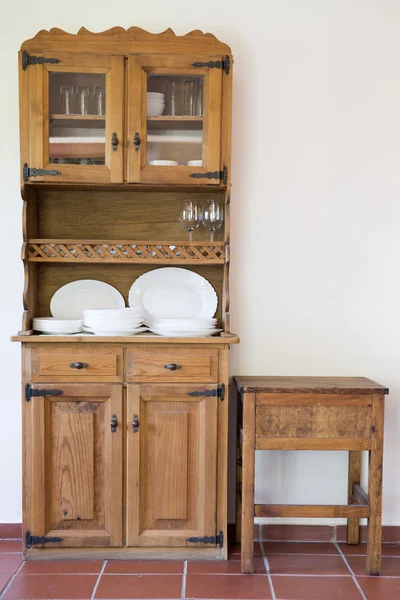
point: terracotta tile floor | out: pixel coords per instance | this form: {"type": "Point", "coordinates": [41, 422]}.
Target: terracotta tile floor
{"type": "Point", "coordinates": [283, 571]}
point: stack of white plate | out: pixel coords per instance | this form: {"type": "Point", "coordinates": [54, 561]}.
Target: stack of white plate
{"type": "Point", "coordinates": [121, 322]}
{"type": "Point", "coordinates": [155, 104]}
{"type": "Point", "coordinates": [51, 326]}
{"type": "Point", "coordinates": [201, 327]}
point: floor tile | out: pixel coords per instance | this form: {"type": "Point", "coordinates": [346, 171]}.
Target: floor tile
{"type": "Point", "coordinates": [299, 548]}
{"type": "Point", "coordinates": [9, 563]}
{"type": "Point", "coordinates": [379, 588]}
{"type": "Point", "coordinates": [46, 587]}
{"type": "Point", "coordinates": [144, 566]}
{"type": "Point", "coordinates": [298, 564]}
{"type": "Point", "coordinates": [61, 566]}
{"type": "Point", "coordinates": [231, 566]}
{"type": "Point", "coordinates": [10, 546]}
{"type": "Point", "coordinates": [309, 533]}
{"type": "Point", "coordinates": [387, 549]}
{"type": "Point", "coordinates": [139, 586]}
{"type": "Point", "coordinates": [11, 530]}
{"type": "Point", "coordinates": [390, 565]}
{"type": "Point", "coordinates": [4, 578]}
{"type": "Point", "coordinates": [318, 588]}
{"type": "Point", "coordinates": [229, 587]}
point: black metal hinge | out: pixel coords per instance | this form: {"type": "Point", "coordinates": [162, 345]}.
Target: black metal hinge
{"type": "Point", "coordinates": [218, 392]}
{"type": "Point", "coordinates": [29, 172]}
{"type": "Point", "coordinates": [221, 175]}
{"type": "Point", "coordinates": [30, 393]}
{"type": "Point", "coordinates": [224, 64]}
{"type": "Point", "coordinates": [28, 60]}
{"type": "Point", "coordinates": [210, 539]}
{"type": "Point", "coordinates": [32, 540]}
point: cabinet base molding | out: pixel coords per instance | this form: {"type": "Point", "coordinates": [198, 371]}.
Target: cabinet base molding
{"type": "Point", "coordinates": [125, 553]}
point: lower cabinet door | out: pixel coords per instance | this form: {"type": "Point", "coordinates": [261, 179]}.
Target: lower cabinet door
{"type": "Point", "coordinates": [74, 465]}
{"type": "Point", "coordinates": [171, 465]}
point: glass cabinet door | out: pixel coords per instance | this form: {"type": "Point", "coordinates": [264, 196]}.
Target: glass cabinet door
{"type": "Point", "coordinates": [174, 120]}
{"type": "Point", "coordinates": [76, 121]}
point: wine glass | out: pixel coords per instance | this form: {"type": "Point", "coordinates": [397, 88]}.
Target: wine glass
{"type": "Point", "coordinates": [213, 216]}
{"type": "Point", "coordinates": [190, 216]}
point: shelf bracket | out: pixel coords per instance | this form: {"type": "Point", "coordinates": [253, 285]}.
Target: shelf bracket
{"type": "Point", "coordinates": [28, 60]}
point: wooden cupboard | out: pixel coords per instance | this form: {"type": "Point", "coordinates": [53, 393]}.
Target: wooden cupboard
{"type": "Point", "coordinates": [125, 438]}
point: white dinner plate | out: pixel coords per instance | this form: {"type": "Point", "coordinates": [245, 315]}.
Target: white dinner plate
{"type": "Point", "coordinates": [198, 333]}
{"type": "Point", "coordinates": [72, 299]}
{"type": "Point", "coordinates": [173, 293]}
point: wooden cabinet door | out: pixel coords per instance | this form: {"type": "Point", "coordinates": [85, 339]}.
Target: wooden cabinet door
{"type": "Point", "coordinates": [169, 119]}
{"type": "Point", "coordinates": [171, 465]}
{"type": "Point", "coordinates": [73, 470]}
{"type": "Point", "coordinates": [68, 137]}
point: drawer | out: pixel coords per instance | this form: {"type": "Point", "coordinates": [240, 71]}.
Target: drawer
{"type": "Point", "coordinates": [76, 363]}
{"type": "Point", "coordinates": [172, 364]}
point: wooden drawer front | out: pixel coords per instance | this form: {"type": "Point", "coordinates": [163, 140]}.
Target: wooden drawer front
{"type": "Point", "coordinates": [54, 364]}
{"type": "Point", "coordinates": [150, 364]}
{"type": "Point", "coordinates": [313, 421]}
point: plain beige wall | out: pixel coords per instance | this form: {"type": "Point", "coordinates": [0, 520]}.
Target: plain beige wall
{"type": "Point", "coordinates": [315, 205]}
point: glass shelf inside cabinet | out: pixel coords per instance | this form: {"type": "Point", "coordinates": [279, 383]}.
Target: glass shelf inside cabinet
{"type": "Point", "coordinates": [174, 120]}
{"type": "Point", "coordinates": [77, 108]}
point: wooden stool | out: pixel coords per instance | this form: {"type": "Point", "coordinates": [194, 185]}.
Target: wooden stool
{"type": "Point", "coordinates": [312, 413]}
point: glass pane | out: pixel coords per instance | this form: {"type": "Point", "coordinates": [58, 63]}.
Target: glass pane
{"type": "Point", "coordinates": [77, 126]}
{"type": "Point", "coordinates": [175, 120]}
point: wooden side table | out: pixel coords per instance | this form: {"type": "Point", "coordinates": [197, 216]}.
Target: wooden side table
{"type": "Point", "coordinates": [313, 413]}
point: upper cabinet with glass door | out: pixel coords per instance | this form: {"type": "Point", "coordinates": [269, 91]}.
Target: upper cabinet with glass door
{"type": "Point", "coordinates": [175, 114]}
{"type": "Point", "coordinates": [125, 106]}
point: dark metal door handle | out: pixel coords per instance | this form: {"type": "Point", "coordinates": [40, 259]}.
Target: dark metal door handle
{"type": "Point", "coordinates": [135, 423]}
{"type": "Point", "coordinates": [114, 142]}
{"type": "Point", "coordinates": [136, 141]}
{"type": "Point", "coordinates": [172, 366]}
{"type": "Point", "coordinates": [114, 423]}
{"type": "Point", "coordinates": [79, 365]}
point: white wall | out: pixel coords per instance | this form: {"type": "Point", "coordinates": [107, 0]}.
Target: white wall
{"type": "Point", "coordinates": [316, 209]}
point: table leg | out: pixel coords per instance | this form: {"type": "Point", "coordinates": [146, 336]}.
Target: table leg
{"type": "Point", "coordinates": [354, 476]}
{"type": "Point", "coordinates": [374, 540]}
{"type": "Point", "coordinates": [239, 470]}
{"type": "Point", "coordinates": [248, 467]}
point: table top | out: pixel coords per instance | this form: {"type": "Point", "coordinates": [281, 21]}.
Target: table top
{"type": "Point", "coordinates": [320, 385]}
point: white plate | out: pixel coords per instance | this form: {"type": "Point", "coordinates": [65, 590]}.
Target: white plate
{"type": "Point", "coordinates": [199, 333]}
{"type": "Point", "coordinates": [121, 333]}
{"type": "Point", "coordinates": [173, 293]}
{"type": "Point", "coordinates": [72, 299]}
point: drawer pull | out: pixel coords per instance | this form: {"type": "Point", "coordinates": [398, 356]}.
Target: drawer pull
{"type": "Point", "coordinates": [135, 423]}
{"type": "Point", "coordinates": [79, 365]}
{"type": "Point", "coordinates": [114, 423]}
{"type": "Point", "coordinates": [172, 366]}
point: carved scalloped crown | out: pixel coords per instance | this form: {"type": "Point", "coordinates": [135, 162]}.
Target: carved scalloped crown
{"type": "Point", "coordinates": [133, 35]}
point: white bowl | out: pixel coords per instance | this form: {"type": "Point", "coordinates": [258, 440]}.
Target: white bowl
{"type": "Point", "coordinates": [164, 163]}
{"type": "Point", "coordinates": [195, 163]}
{"type": "Point", "coordinates": [155, 111]}
{"type": "Point", "coordinates": [156, 95]}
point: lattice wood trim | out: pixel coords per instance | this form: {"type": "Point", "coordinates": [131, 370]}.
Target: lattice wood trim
{"type": "Point", "coordinates": [123, 251]}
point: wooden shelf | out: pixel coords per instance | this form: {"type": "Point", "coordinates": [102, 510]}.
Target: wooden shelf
{"type": "Point", "coordinates": [196, 119]}
{"type": "Point", "coordinates": [77, 117]}
{"type": "Point", "coordinates": [147, 338]}
{"type": "Point", "coordinates": [119, 251]}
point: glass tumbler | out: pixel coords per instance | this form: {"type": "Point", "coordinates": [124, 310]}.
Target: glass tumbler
{"type": "Point", "coordinates": [84, 99]}
{"type": "Point", "coordinates": [174, 99]}
{"type": "Point", "coordinates": [198, 97]}
{"type": "Point", "coordinates": [100, 101]}
{"type": "Point", "coordinates": [67, 99]}
{"type": "Point", "coordinates": [189, 97]}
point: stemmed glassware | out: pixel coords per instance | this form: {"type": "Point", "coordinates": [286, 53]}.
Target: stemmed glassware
{"type": "Point", "coordinates": [190, 215]}
{"type": "Point", "coordinates": [212, 216]}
